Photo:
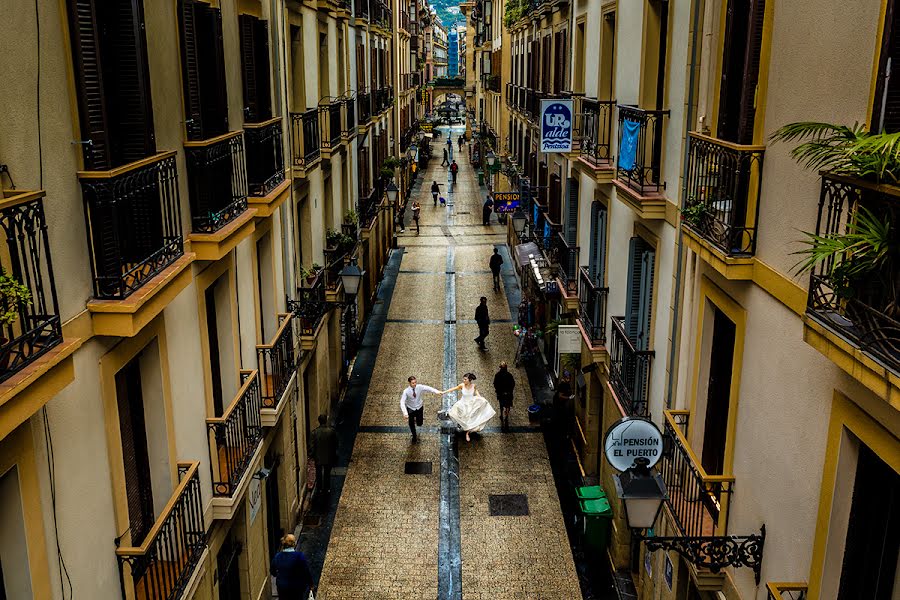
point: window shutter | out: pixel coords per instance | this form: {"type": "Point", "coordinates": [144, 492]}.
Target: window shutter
{"type": "Point", "coordinates": [246, 24]}
{"type": "Point", "coordinates": [886, 112]}
{"type": "Point", "coordinates": [89, 82]}
{"type": "Point", "coordinates": [751, 71]}
{"type": "Point", "coordinates": [220, 97]}
{"type": "Point", "coordinates": [598, 243]}
{"type": "Point", "coordinates": [645, 302]}
{"type": "Point", "coordinates": [555, 198]}
{"type": "Point", "coordinates": [263, 72]}
{"type": "Point", "coordinates": [632, 293]}
{"type": "Point", "coordinates": [136, 461]}
{"type": "Point", "coordinates": [572, 216]}
{"type": "Point", "coordinates": [190, 62]}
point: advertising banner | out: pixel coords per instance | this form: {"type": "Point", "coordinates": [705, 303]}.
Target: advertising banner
{"type": "Point", "coordinates": [506, 202]}
{"type": "Point", "coordinates": [557, 121]}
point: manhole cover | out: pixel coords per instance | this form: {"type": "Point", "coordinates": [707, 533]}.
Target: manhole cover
{"type": "Point", "coordinates": [418, 468]}
{"type": "Point", "coordinates": [508, 505]}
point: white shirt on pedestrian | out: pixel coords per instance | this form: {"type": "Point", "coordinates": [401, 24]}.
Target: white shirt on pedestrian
{"type": "Point", "coordinates": [411, 398]}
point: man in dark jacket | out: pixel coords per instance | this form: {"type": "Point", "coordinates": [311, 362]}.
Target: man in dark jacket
{"type": "Point", "coordinates": [486, 209]}
{"type": "Point", "coordinates": [435, 190]}
{"type": "Point", "coordinates": [323, 447]}
{"type": "Point", "coordinates": [504, 384]}
{"type": "Point", "coordinates": [481, 317]}
{"type": "Point", "coordinates": [496, 262]}
{"type": "Point", "coordinates": [291, 572]}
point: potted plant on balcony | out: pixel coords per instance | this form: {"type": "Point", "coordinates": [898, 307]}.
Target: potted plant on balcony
{"type": "Point", "coordinates": [310, 274]}
{"type": "Point", "coordinates": [697, 214]}
{"type": "Point", "coordinates": [14, 296]}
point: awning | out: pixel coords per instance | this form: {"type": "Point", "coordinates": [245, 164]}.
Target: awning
{"type": "Point", "coordinates": [522, 252]}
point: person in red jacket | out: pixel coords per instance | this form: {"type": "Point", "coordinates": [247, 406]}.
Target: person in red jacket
{"type": "Point", "coordinates": [453, 170]}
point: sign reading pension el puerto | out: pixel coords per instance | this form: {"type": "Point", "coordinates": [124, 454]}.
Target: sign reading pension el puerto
{"type": "Point", "coordinates": [506, 202]}
{"type": "Point", "coordinates": [632, 438]}
{"type": "Point", "coordinates": [556, 125]}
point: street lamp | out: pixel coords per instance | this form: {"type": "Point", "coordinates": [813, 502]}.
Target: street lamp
{"type": "Point", "coordinates": [491, 158]}
{"type": "Point", "coordinates": [642, 492]}
{"type": "Point", "coordinates": [392, 191]}
{"type": "Point", "coordinates": [518, 221]}
{"type": "Point", "coordinates": [351, 276]}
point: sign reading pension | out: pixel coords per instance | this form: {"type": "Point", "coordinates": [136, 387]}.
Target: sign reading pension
{"type": "Point", "coordinates": [556, 125]}
{"type": "Point", "coordinates": [632, 438]}
{"type": "Point", "coordinates": [506, 202]}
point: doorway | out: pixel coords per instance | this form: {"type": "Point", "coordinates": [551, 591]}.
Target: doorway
{"type": "Point", "coordinates": [718, 397]}
{"type": "Point", "coordinates": [227, 566]}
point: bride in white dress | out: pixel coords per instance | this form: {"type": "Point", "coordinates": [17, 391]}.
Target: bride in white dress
{"type": "Point", "coordinates": [471, 412]}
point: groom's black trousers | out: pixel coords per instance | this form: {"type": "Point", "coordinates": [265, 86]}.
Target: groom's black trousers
{"type": "Point", "coordinates": [415, 418]}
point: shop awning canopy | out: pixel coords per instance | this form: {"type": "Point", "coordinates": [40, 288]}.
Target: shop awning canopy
{"type": "Point", "coordinates": [522, 252]}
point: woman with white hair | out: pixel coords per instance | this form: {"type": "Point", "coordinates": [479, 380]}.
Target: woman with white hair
{"type": "Point", "coordinates": [291, 572]}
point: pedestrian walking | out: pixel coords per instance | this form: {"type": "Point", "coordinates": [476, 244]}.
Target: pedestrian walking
{"type": "Point", "coordinates": [291, 571]}
{"type": "Point", "coordinates": [435, 190]}
{"type": "Point", "coordinates": [496, 261]}
{"type": "Point", "coordinates": [323, 446]}
{"type": "Point", "coordinates": [445, 161]}
{"type": "Point", "coordinates": [460, 141]}
{"type": "Point", "coordinates": [417, 208]}
{"type": "Point", "coordinates": [486, 209]}
{"type": "Point", "coordinates": [412, 404]}
{"type": "Point", "coordinates": [561, 404]}
{"type": "Point", "coordinates": [504, 384]}
{"type": "Point", "coordinates": [484, 322]}
{"type": "Point", "coordinates": [454, 169]}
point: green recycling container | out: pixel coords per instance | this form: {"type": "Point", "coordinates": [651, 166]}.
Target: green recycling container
{"type": "Point", "coordinates": [480, 177]}
{"type": "Point", "coordinates": [590, 492]}
{"type": "Point", "coordinates": [597, 516]}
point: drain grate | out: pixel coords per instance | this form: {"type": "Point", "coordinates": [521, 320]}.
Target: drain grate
{"type": "Point", "coordinates": [418, 468]}
{"type": "Point", "coordinates": [508, 505]}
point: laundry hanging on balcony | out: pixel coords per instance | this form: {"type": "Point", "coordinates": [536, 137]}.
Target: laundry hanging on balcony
{"type": "Point", "coordinates": [628, 146]}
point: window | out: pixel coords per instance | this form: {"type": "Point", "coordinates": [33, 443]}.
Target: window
{"type": "Point", "coordinates": [740, 69]}
{"type": "Point", "coordinates": [718, 394]}
{"type": "Point", "coordinates": [572, 212]}
{"type": "Point", "coordinates": [607, 75]}
{"type": "Point", "coordinates": [653, 68]}
{"type": "Point", "coordinates": [255, 68]}
{"type": "Point", "coordinates": [886, 112]}
{"type": "Point", "coordinates": [597, 258]}
{"type": "Point", "coordinates": [578, 84]}
{"type": "Point", "coordinates": [203, 70]}
{"type": "Point", "coordinates": [135, 455]}
{"type": "Point", "coordinates": [298, 75]}
{"type": "Point", "coordinates": [639, 295]}
{"type": "Point", "coordinates": [112, 78]}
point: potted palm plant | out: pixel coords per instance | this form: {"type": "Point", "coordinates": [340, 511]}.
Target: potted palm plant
{"type": "Point", "coordinates": [14, 296]}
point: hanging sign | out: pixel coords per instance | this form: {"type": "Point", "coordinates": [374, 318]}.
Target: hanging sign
{"type": "Point", "coordinates": [254, 498]}
{"type": "Point", "coordinates": [632, 438]}
{"type": "Point", "coordinates": [506, 202]}
{"type": "Point", "coordinates": [568, 339]}
{"type": "Point", "coordinates": [556, 125]}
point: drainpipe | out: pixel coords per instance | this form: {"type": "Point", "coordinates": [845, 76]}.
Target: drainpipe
{"type": "Point", "coordinates": [689, 119]}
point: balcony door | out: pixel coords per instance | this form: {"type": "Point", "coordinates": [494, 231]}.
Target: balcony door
{"type": "Point", "coordinates": [273, 506]}
{"type": "Point", "coordinates": [203, 70]}
{"type": "Point", "coordinates": [254, 34]}
{"type": "Point", "coordinates": [597, 258]}
{"type": "Point", "coordinates": [229, 575]}
{"type": "Point", "coordinates": [718, 396]}
{"type": "Point", "coordinates": [886, 111]}
{"type": "Point", "coordinates": [740, 69]}
{"type": "Point", "coordinates": [639, 292]}
{"type": "Point", "coordinates": [135, 453]}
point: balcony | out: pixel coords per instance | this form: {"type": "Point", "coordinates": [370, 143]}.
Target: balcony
{"type": "Point", "coordinates": [163, 567]}
{"type": "Point", "coordinates": [364, 106]}
{"type": "Point", "coordinates": [595, 136]}
{"type": "Point", "coordinates": [309, 310]}
{"type": "Point", "coordinates": [277, 365]}
{"type": "Point", "coordinates": [361, 9]}
{"type": "Point", "coordinates": [786, 591]}
{"type": "Point", "coordinates": [698, 504]}
{"type": "Point", "coordinates": [368, 206]}
{"type": "Point", "coordinates": [267, 185]}
{"type": "Point", "coordinates": [138, 264]}
{"type": "Point", "coordinates": [721, 204]}
{"type": "Point", "coordinates": [348, 130]}
{"type": "Point", "coordinates": [381, 18]}
{"type": "Point", "coordinates": [217, 183]}
{"type": "Point", "coordinates": [638, 173]}
{"type": "Point", "coordinates": [331, 122]}
{"type": "Point", "coordinates": [492, 83]}
{"type": "Point", "coordinates": [565, 257]}
{"type": "Point", "coordinates": [305, 141]}
{"type": "Point", "coordinates": [629, 371]}
{"type": "Point", "coordinates": [233, 441]}
{"type": "Point", "coordinates": [592, 313]}
{"type": "Point", "coordinates": [853, 318]}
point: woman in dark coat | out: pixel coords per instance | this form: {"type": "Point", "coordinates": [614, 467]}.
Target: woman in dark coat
{"type": "Point", "coordinates": [291, 573]}
{"type": "Point", "coordinates": [504, 384]}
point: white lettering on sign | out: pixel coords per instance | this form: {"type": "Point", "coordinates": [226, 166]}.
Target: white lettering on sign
{"type": "Point", "coordinates": [632, 438]}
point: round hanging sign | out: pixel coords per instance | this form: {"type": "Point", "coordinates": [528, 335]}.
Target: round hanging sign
{"type": "Point", "coordinates": [632, 438]}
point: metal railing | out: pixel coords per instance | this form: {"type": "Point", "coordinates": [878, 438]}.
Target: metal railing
{"type": "Point", "coordinates": [698, 501]}
{"type": "Point", "coordinates": [217, 181]}
{"type": "Point", "coordinates": [592, 308]}
{"type": "Point", "coordinates": [349, 127]}
{"type": "Point", "coordinates": [234, 436]}
{"type": "Point", "coordinates": [368, 205]}
{"type": "Point", "coordinates": [36, 327]}
{"type": "Point", "coordinates": [364, 104]}
{"type": "Point", "coordinates": [629, 370]}
{"type": "Point", "coordinates": [161, 566]}
{"type": "Point", "coordinates": [786, 590]}
{"type": "Point", "coordinates": [566, 258]}
{"type": "Point", "coordinates": [309, 308]}
{"type": "Point", "coordinates": [595, 130]}
{"type": "Point", "coordinates": [361, 9]}
{"type": "Point", "coordinates": [133, 220]}
{"type": "Point", "coordinates": [305, 137]}
{"type": "Point", "coordinates": [644, 176]}
{"type": "Point", "coordinates": [330, 115]}
{"type": "Point", "coordinates": [276, 362]}
{"type": "Point", "coordinates": [334, 263]}
{"type": "Point", "coordinates": [722, 187]}
{"type": "Point", "coordinates": [265, 156]}
{"type": "Point", "coordinates": [860, 308]}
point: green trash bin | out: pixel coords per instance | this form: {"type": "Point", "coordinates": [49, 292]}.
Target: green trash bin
{"type": "Point", "coordinates": [480, 177]}
{"type": "Point", "coordinates": [590, 492]}
{"type": "Point", "coordinates": [597, 516]}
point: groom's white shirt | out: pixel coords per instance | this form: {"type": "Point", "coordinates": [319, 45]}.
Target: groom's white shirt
{"type": "Point", "coordinates": [407, 401]}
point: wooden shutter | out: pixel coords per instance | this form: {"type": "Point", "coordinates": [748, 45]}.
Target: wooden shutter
{"type": "Point", "coordinates": [639, 293]}
{"type": "Point", "coordinates": [89, 82]}
{"type": "Point", "coordinates": [203, 65]}
{"type": "Point", "coordinates": [886, 112]}
{"type": "Point", "coordinates": [219, 122]}
{"type": "Point", "coordinates": [190, 65]}
{"type": "Point", "coordinates": [360, 68]}
{"type": "Point", "coordinates": [135, 457]}
{"type": "Point", "coordinates": [556, 198]}
{"type": "Point", "coordinates": [572, 211]}
{"type": "Point", "coordinates": [751, 71]}
{"type": "Point", "coordinates": [598, 243]}
{"type": "Point", "coordinates": [263, 71]}
{"type": "Point", "coordinates": [247, 26]}
{"type": "Point", "coordinates": [645, 303]}
{"type": "Point", "coordinates": [740, 70]}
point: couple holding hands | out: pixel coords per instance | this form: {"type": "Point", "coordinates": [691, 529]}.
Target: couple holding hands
{"type": "Point", "coordinates": [471, 412]}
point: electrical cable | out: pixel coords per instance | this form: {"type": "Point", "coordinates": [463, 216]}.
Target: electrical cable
{"type": "Point", "coordinates": [51, 470]}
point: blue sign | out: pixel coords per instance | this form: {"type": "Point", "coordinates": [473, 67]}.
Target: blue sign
{"type": "Point", "coordinates": [556, 125]}
{"type": "Point", "coordinates": [506, 202]}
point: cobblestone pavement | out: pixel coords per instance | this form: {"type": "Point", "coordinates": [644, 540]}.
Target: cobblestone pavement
{"type": "Point", "coordinates": [398, 535]}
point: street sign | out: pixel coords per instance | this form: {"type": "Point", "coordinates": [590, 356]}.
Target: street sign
{"type": "Point", "coordinates": [568, 339]}
{"type": "Point", "coordinates": [632, 438]}
{"type": "Point", "coordinates": [557, 120]}
{"type": "Point", "coordinates": [506, 202]}
{"type": "Point", "coordinates": [426, 126]}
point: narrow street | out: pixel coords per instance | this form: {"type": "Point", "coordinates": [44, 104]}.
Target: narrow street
{"type": "Point", "coordinates": [428, 535]}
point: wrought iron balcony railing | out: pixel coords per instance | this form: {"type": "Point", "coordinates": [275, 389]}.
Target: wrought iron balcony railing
{"type": "Point", "coordinates": [595, 130]}
{"type": "Point", "coordinates": [629, 370]}
{"type": "Point", "coordinates": [334, 262]}
{"type": "Point", "coordinates": [592, 310]}
{"type": "Point", "coordinates": [349, 127]}
{"type": "Point", "coordinates": [265, 156]}
{"type": "Point", "coordinates": [310, 307]}
{"type": "Point", "coordinates": [162, 565]}
{"type": "Point", "coordinates": [37, 327]}
{"type": "Point", "coordinates": [722, 193]}
{"type": "Point", "coordinates": [134, 223]}
{"type": "Point", "coordinates": [330, 122]}
{"type": "Point", "coordinates": [565, 257]}
{"type": "Point", "coordinates": [641, 172]}
{"type": "Point", "coordinates": [786, 591]}
{"type": "Point", "coordinates": [305, 137]}
{"type": "Point", "coordinates": [364, 104]}
{"type": "Point", "coordinates": [217, 181]}
{"type": "Point", "coordinates": [277, 362]}
{"type": "Point", "coordinates": [234, 437]}
{"type": "Point", "coordinates": [368, 205]}
{"type": "Point", "coordinates": [361, 9]}
{"type": "Point", "coordinates": [863, 309]}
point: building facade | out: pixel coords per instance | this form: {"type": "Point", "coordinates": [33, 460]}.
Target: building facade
{"type": "Point", "coordinates": [183, 184]}
{"type": "Point", "coordinates": [452, 53]}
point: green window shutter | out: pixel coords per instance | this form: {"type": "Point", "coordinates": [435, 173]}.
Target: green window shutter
{"type": "Point", "coordinates": [639, 293]}
{"type": "Point", "coordinates": [598, 243]}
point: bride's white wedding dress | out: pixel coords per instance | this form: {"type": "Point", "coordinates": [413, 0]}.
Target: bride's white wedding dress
{"type": "Point", "coordinates": [471, 412]}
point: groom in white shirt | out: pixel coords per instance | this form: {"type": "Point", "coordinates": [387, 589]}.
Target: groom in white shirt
{"type": "Point", "coordinates": [412, 404]}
